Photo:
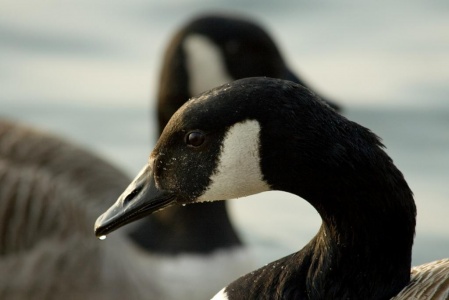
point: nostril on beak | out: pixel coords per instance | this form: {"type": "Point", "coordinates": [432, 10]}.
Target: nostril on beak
{"type": "Point", "coordinates": [132, 195]}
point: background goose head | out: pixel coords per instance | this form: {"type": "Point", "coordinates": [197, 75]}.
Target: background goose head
{"type": "Point", "coordinates": [214, 49]}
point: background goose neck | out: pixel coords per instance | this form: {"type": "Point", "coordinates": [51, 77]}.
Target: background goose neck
{"type": "Point", "coordinates": [201, 228]}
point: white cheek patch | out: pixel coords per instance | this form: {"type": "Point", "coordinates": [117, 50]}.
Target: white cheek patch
{"type": "Point", "coordinates": [205, 65]}
{"type": "Point", "coordinates": [238, 172]}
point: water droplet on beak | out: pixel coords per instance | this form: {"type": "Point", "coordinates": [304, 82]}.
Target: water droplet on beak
{"type": "Point", "coordinates": [102, 237]}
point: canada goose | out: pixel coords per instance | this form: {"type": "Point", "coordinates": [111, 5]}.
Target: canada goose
{"type": "Point", "coordinates": [261, 134]}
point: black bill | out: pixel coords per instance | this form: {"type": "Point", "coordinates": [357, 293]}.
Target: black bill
{"type": "Point", "coordinates": [141, 198]}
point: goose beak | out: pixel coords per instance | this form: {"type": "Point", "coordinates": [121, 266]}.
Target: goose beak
{"type": "Point", "coordinates": [141, 198]}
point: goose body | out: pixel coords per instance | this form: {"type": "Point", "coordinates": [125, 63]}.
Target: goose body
{"type": "Point", "coordinates": [51, 191]}
{"type": "Point", "coordinates": [47, 187]}
{"type": "Point", "coordinates": [261, 134]}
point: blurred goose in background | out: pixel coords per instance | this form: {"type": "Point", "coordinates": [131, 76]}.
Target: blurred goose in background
{"type": "Point", "coordinates": [262, 134]}
{"type": "Point", "coordinates": [47, 188]}
{"type": "Point", "coordinates": [208, 51]}
{"type": "Point", "coordinates": [51, 192]}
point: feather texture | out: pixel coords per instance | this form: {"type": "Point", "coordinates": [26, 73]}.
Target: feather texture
{"type": "Point", "coordinates": [428, 281]}
{"type": "Point", "coordinates": [50, 192]}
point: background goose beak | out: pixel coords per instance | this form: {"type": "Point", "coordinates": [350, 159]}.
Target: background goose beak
{"type": "Point", "coordinates": [141, 198]}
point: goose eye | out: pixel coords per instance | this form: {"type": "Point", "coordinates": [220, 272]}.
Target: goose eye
{"type": "Point", "coordinates": [195, 138]}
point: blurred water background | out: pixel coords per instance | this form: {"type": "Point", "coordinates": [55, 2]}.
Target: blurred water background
{"type": "Point", "coordinates": [88, 71]}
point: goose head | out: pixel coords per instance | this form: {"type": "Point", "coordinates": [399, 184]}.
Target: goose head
{"type": "Point", "coordinates": [227, 143]}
